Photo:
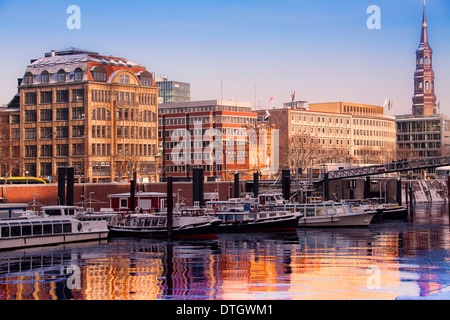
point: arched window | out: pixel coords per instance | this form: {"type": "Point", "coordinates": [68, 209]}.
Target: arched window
{"type": "Point", "coordinates": [427, 85]}
{"type": "Point", "coordinates": [146, 78]}
{"type": "Point", "coordinates": [78, 74]}
{"type": "Point", "coordinates": [29, 78]}
{"type": "Point", "coordinates": [426, 60]}
{"type": "Point", "coordinates": [420, 85]}
{"type": "Point", "coordinates": [99, 74]}
{"type": "Point", "coordinates": [45, 77]}
{"type": "Point", "coordinates": [61, 76]}
{"type": "Point", "coordinates": [421, 60]}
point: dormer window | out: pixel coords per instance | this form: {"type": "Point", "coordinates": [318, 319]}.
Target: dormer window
{"type": "Point", "coordinates": [45, 77]}
{"type": "Point", "coordinates": [146, 79]}
{"type": "Point", "coordinates": [99, 74]}
{"type": "Point", "coordinates": [78, 74]}
{"type": "Point", "coordinates": [61, 76]}
{"type": "Point", "coordinates": [29, 78]}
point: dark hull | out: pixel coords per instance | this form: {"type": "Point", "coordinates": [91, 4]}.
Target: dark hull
{"type": "Point", "coordinates": [200, 232]}
{"type": "Point", "coordinates": [284, 225]}
{"type": "Point", "coordinates": [394, 213]}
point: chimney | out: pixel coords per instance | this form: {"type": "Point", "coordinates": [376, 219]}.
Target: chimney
{"type": "Point", "coordinates": [53, 53]}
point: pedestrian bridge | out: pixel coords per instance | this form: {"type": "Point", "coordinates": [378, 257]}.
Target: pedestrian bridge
{"type": "Point", "coordinates": [397, 166]}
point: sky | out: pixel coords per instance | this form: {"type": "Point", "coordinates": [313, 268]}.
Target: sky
{"type": "Point", "coordinates": [246, 50]}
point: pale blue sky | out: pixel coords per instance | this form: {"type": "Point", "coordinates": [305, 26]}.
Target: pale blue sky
{"type": "Point", "coordinates": [321, 48]}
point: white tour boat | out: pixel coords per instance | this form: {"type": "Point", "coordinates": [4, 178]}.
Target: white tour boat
{"type": "Point", "coordinates": [54, 225]}
{"type": "Point", "coordinates": [187, 223]}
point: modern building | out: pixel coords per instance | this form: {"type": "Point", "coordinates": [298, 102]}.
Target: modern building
{"type": "Point", "coordinates": [223, 137]}
{"type": "Point", "coordinates": [373, 132]}
{"type": "Point", "coordinates": [78, 108]}
{"type": "Point", "coordinates": [337, 132]}
{"type": "Point", "coordinates": [425, 132]}
{"type": "Point", "coordinates": [173, 91]}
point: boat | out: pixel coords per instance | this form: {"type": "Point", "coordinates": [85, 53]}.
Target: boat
{"type": "Point", "coordinates": [53, 225]}
{"type": "Point", "coordinates": [239, 216]}
{"type": "Point", "coordinates": [392, 211]}
{"type": "Point", "coordinates": [332, 214]}
{"type": "Point", "coordinates": [319, 213]}
{"type": "Point", "coordinates": [187, 223]}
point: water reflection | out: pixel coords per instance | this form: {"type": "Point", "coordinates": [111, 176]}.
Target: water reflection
{"type": "Point", "coordinates": [381, 262]}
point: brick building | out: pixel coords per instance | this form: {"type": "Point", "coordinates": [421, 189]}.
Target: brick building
{"type": "Point", "coordinates": [79, 108]}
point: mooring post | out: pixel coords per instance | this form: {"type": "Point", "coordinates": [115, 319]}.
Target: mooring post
{"type": "Point", "coordinates": [169, 207]}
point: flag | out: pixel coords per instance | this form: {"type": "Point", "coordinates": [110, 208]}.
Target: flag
{"type": "Point", "coordinates": [266, 115]}
{"type": "Point", "coordinates": [271, 99]}
{"type": "Point", "coordinates": [293, 95]}
{"type": "Point", "coordinates": [391, 104]}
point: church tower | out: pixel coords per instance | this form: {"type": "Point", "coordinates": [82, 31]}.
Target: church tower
{"type": "Point", "coordinates": [424, 99]}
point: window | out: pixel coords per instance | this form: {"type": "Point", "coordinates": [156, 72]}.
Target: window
{"type": "Point", "coordinates": [99, 74]}
{"type": "Point", "coordinates": [77, 113]}
{"type": "Point", "coordinates": [427, 85]}
{"type": "Point", "coordinates": [61, 76]}
{"type": "Point", "coordinates": [29, 78]}
{"type": "Point", "coordinates": [78, 95]}
{"type": "Point", "coordinates": [46, 151]}
{"type": "Point", "coordinates": [78, 74]}
{"type": "Point", "coordinates": [30, 152]}
{"type": "Point", "coordinates": [62, 132]}
{"type": "Point", "coordinates": [62, 96]}
{"type": "Point", "coordinates": [30, 98]}
{"type": "Point", "coordinates": [77, 131]}
{"type": "Point", "coordinates": [62, 114]}
{"type": "Point", "coordinates": [45, 77]}
{"type": "Point", "coordinates": [30, 116]}
{"type": "Point", "coordinates": [46, 97]}
{"type": "Point", "coordinates": [62, 150]}
{"type": "Point", "coordinates": [30, 133]}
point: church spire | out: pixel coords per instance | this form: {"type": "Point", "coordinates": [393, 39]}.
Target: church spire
{"type": "Point", "coordinates": [424, 35]}
{"type": "Point", "coordinates": [424, 99]}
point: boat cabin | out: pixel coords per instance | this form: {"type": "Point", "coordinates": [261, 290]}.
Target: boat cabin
{"type": "Point", "coordinates": [271, 199]}
{"type": "Point", "coordinates": [12, 210]}
{"type": "Point", "coordinates": [63, 211]}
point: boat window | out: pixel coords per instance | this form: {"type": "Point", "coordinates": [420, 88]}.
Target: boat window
{"type": "Point", "coordinates": [319, 211]}
{"type": "Point", "coordinates": [15, 230]}
{"type": "Point", "coordinates": [229, 217]}
{"type": "Point", "coordinates": [154, 222]}
{"type": "Point", "coordinates": [272, 214]}
{"type": "Point", "coordinates": [251, 217]}
{"type": "Point", "coordinates": [67, 228]}
{"type": "Point", "coordinates": [340, 210]}
{"type": "Point", "coordinates": [140, 222]}
{"type": "Point", "coordinates": [262, 215]}
{"type": "Point", "coordinates": [239, 217]}
{"type": "Point", "coordinates": [310, 212]}
{"type": "Point", "coordinates": [47, 228]}
{"type": "Point", "coordinates": [37, 229]}
{"type": "Point", "coordinates": [5, 232]}
{"type": "Point", "coordinates": [57, 228]}
{"type": "Point", "coordinates": [220, 216]}
{"type": "Point", "coordinates": [148, 222]}
{"type": "Point", "coordinates": [162, 222]}
{"type": "Point", "coordinates": [330, 211]}
{"type": "Point", "coordinates": [26, 229]}
{"type": "Point", "coordinates": [69, 212]}
{"type": "Point", "coordinates": [53, 212]}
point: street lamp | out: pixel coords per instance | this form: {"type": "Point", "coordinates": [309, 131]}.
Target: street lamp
{"type": "Point", "coordinates": [26, 175]}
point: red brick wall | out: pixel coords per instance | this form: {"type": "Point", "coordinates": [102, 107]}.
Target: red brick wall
{"type": "Point", "coordinates": [48, 194]}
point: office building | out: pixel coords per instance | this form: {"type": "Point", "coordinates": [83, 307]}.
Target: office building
{"type": "Point", "coordinates": [222, 136]}
{"type": "Point", "coordinates": [173, 91]}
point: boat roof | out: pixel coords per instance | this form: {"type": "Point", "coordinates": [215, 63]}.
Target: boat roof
{"type": "Point", "coordinates": [138, 194]}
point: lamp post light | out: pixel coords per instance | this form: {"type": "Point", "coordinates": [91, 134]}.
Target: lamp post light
{"type": "Point", "coordinates": [26, 175]}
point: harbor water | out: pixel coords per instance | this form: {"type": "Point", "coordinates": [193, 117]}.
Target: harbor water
{"type": "Point", "coordinates": [386, 260]}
